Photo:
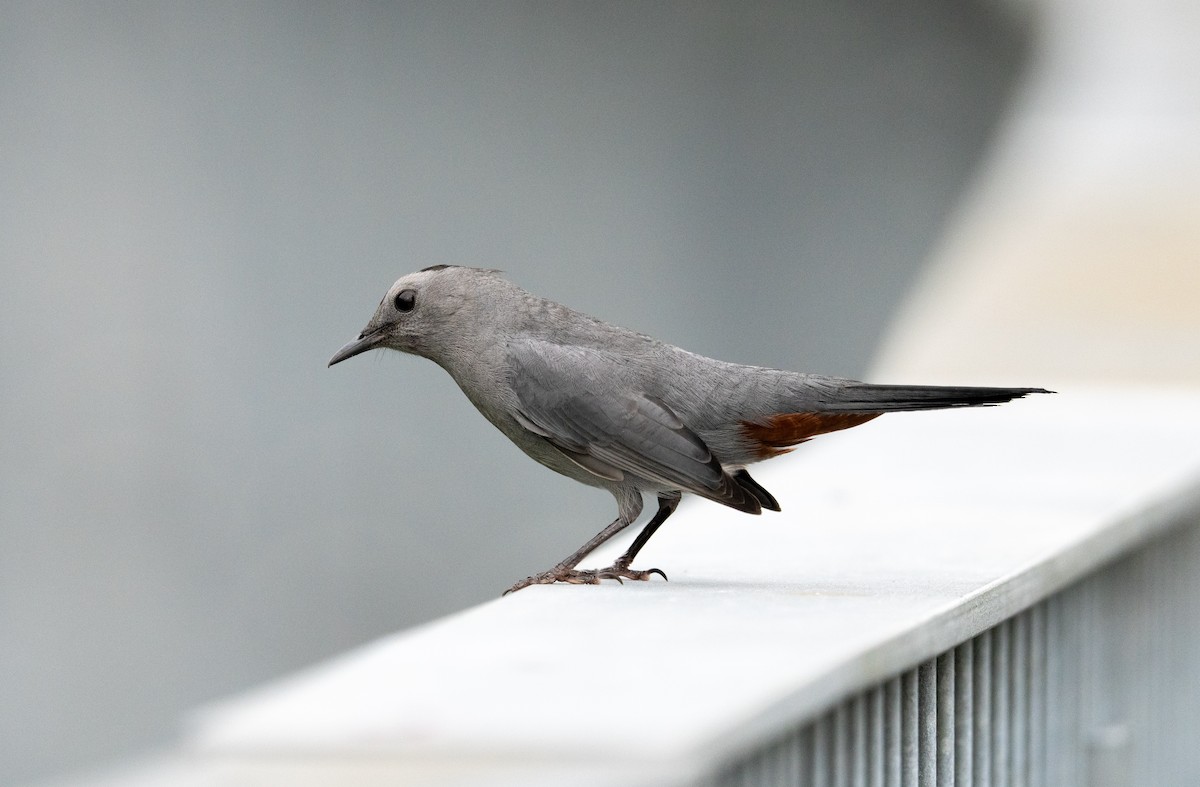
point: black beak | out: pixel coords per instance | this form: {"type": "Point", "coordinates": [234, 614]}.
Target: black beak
{"type": "Point", "coordinates": [365, 341]}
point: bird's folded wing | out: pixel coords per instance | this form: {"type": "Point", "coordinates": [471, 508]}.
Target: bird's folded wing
{"type": "Point", "coordinates": [575, 398]}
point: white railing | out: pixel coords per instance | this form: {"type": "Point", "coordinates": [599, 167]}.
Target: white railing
{"type": "Point", "coordinates": [985, 597]}
{"type": "Point", "coordinates": [1097, 685]}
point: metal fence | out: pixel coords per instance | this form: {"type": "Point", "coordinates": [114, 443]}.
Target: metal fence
{"type": "Point", "coordinates": [1097, 686]}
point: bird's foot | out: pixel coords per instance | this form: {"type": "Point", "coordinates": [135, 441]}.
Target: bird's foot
{"type": "Point", "coordinates": [620, 572]}
{"type": "Point", "coordinates": [586, 576]}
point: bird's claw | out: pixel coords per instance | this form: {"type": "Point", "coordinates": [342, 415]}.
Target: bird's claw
{"type": "Point", "coordinates": [621, 573]}
{"type": "Point", "coordinates": [588, 576]}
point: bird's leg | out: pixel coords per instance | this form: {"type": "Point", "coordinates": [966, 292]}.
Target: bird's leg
{"type": "Point", "coordinates": [620, 569]}
{"type": "Point", "coordinates": [565, 571]}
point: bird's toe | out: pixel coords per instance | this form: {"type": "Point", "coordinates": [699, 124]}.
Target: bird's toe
{"type": "Point", "coordinates": [590, 576]}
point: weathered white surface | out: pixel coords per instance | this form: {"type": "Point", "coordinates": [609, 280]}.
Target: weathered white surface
{"type": "Point", "coordinates": [897, 540]}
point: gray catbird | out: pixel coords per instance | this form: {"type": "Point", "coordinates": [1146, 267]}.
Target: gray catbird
{"type": "Point", "coordinates": [620, 410]}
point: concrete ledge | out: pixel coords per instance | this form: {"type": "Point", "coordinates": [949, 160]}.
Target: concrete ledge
{"type": "Point", "coordinates": [898, 540]}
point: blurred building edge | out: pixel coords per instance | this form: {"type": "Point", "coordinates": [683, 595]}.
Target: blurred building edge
{"type": "Point", "coordinates": [1076, 258]}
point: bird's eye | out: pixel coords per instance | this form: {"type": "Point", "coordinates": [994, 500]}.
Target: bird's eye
{"type": "Point", "coordinates": [405, 300]}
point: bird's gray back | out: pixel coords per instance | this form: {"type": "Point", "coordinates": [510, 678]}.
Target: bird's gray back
{"type": "Point", "coordinates": [712, 398]}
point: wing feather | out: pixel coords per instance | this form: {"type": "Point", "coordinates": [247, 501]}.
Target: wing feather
{"type": "Point", "coordinates": [570, 396]}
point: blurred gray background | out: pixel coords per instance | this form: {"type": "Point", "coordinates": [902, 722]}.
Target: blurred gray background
{"type": "Point", "coordinates": [202, 201]}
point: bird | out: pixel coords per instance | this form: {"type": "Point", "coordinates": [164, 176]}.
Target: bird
{"type": "Point", "coordinates": [619, 410]}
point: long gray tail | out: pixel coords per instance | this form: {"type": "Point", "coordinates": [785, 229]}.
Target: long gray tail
{"type": "Point", "coordinates": [856, 397]}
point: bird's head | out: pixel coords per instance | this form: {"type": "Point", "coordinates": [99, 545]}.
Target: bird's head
{"type": "Point", "coordinates": [420, 313]}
